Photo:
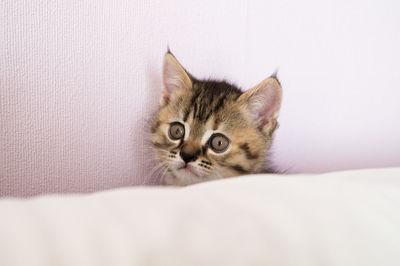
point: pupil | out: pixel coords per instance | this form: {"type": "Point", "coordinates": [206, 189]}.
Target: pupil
{"type": "Point", "coordinates": [219, 143]}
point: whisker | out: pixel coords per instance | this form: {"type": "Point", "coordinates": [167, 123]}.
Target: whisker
{"type": "Point", "coordinates": [159, 172]}
{"type": "Point", "coordinates": [164, 173]}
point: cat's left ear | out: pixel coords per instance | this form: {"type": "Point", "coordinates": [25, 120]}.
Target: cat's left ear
{"type": "Point", "coordinates": [174, 78]}
{"type": "Point", "coordinates": [263, 101]}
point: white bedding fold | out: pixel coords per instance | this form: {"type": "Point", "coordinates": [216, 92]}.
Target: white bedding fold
{"type": "Point", "coordinates": [342, 218]}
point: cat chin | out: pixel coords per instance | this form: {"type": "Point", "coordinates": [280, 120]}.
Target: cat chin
{"type": "Point", "coordinates": [183, 177]}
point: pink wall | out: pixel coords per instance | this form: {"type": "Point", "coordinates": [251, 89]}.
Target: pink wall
{"type": "Point", "coordinates": [78, 81]}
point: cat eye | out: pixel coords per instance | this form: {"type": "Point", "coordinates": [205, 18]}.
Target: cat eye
{"type": "Point", "coordinates": [218, 143]}
{"type": "Point", "coordinates": [176, 131]}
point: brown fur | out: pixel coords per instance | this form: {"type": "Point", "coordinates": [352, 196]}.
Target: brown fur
{"type": "Point", "coordinates": [204, 107]}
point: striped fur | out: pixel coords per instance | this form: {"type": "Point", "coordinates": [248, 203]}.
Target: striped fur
{"type": "Point", "coordinates": [206, 107]}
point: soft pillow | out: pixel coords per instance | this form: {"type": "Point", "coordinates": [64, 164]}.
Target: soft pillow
{"type": "Point", "coordinates": [345, 218]}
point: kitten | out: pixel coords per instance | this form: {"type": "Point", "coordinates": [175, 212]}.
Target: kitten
{"type": "Point", "coordinates": [208, 130]}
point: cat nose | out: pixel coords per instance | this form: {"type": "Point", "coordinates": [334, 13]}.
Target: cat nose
{"type": "Point", "coordinates": [187, 156]}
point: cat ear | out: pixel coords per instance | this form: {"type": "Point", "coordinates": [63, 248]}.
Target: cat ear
{"type": "Point", "coordinates": [263, 101]}
{"type": "Point", "coordinates": [174, 78]}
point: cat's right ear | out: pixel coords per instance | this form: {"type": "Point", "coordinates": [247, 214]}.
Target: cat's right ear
{"type": "Point", "coordinates": [174, 78]}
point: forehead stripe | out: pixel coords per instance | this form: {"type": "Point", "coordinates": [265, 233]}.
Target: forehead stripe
{"type": "Point", "coordinates": [194, 110]}
{"type": "Point", "coordinates": [220, 103]}
{"type": "Point", "coordinates": [185, 116]}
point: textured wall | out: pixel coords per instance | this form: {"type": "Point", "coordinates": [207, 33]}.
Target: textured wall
{"type": "Point", "coordinates": [79, 80]}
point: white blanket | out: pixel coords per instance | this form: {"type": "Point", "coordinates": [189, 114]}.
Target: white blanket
{"type": "Point", "coordinates": [343, 218]}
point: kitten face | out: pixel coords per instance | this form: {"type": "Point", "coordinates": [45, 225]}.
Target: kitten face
{"type": "Point", "coordinates": [209, 130]}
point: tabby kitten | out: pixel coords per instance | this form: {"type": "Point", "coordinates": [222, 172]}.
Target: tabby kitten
{"type": "Point", "coordinates": [208, 130]}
